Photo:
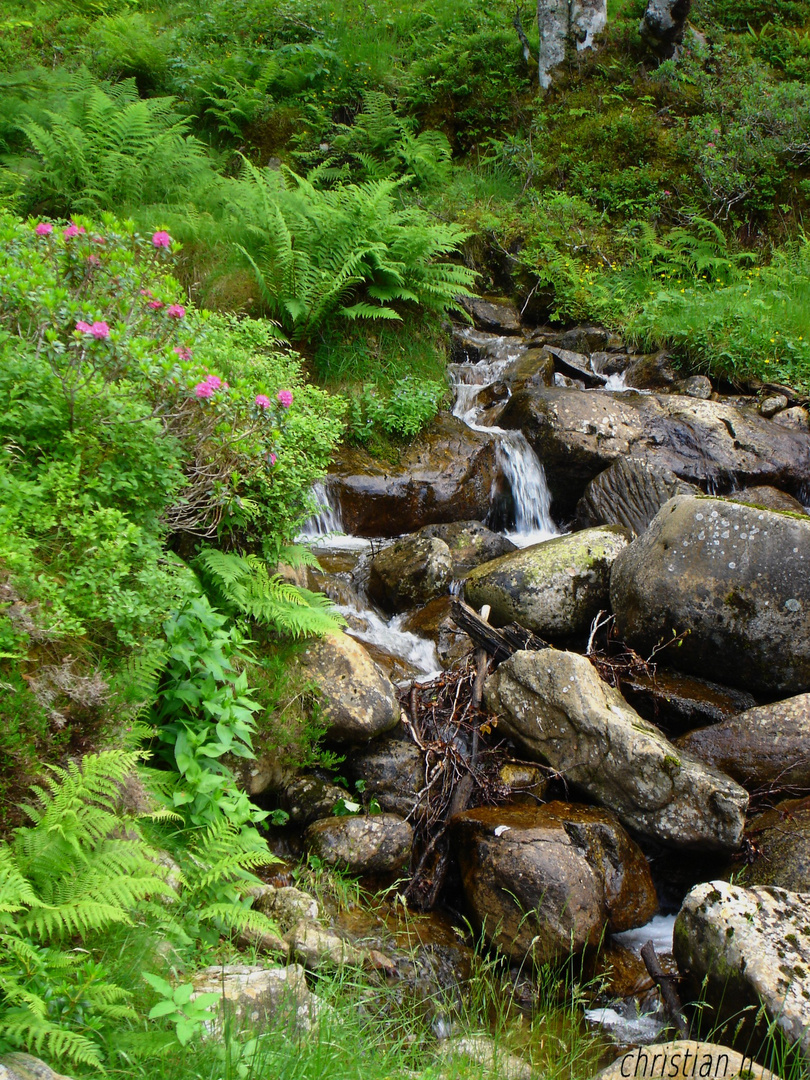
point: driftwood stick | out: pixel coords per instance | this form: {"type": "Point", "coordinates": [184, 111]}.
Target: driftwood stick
{"type": "Point", "coordinates": [669, 995]}
{"type": "Point", "coordinates": [499, 643]}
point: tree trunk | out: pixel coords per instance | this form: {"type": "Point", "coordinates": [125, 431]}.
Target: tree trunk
{"type": "Point", "coordinates": [663, 26]}
{"type": "Point", "coordinates": [563, 24]}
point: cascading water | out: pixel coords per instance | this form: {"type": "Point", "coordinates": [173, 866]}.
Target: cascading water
{"type": "Point", "coordinates": [520, 465]}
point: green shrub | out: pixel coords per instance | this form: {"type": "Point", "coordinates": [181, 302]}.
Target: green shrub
{"type": "Point", "coordinates": [402, 412]}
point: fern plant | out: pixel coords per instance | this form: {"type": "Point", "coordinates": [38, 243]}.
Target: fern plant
{"type": "Point", "coordinates": [244, 585]}
{"type": "Point", "coordinates": [107, 148]}
{"type": "Point", "coordinates": [350, 251]}
{"type": "Point", "coordinates": [72, 873]}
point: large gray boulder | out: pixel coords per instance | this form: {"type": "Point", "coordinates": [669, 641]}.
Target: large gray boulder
{"type": "Point", "coordinates": [734, 580]}
{"type": "Point", "coordinates": [261, 997]}
{"type": "Point", "coordinates": [768, 745]}
{"type": "Point", "coordinates": [577, 434]}
{"type": "Point", "coordinates": [409, 572]}
{"type": "Point", "coordinates": [554, 588]}
{"type": "Point", "coordinates": [630, 493]}
{"type": "Point", "coordinates": [557, 708]}
{"type": "Point", "coordinates": [738, 948]}
{"type": "Point", "coordinates": [358, 700]}
{"type": "Point", "coordinates": [543, 881]}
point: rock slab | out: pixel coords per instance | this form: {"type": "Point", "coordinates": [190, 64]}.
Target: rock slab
{"type": "Point", "coordinates": [734, 580]}
{"type": "Point", "coordinates": [555, 705]}
{"type": "Point", "coordinates": [685, 1059]}
{"type": "Point", "coordinates": [748, 946]}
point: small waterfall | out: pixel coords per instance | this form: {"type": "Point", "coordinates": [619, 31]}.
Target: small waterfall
{"type": "Point", "coordinates": [328, 520]}
{"type": "Point", "coordinates": [521, 466]}
{"type": "Point", "coordinates": [416, 653]}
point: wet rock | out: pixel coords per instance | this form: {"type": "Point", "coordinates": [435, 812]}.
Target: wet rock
{"type": "Point", "coordinates": [410, 572]}
{"type": "Point", "coordinates": [554, 588]}
{"type": "Point", "coordinates": [796, 418]}
{"type": "Point", "coordinates": [767, 745]}
{"type": "Point", "coordinates": [629, 493]}
{"type": "Point", "coordinates": [609, 363]}
{"type": "Point", "coordinates": [359, 701]}
{"type": "Point", "coordinates": [770, 406]}
{"type": "Point", "coordinates": [684, 1059]}
{"type": "Point", "coordinates": [435, 623]}
{"type": "Point", "coordinates": [27, 1067]}
{"type": "Point", "coordinates": [377, 844]}
{"type": "Point", "coordinates": [469, 345]}
{"type": "Point", "coordinates": [696, 386]}
{"type": "Point", "coordinates": [578, 434]}
{"type": "Point", "coordinates": [318, 948]}
{"type": "Point", "coordinates": [446, 475]}
{"type": "Point", "coordinates": [768, 498]}
{"type": "Point", "coordinates": [307, 798]}
{"type": "Point", "coordinates": [543, 881]}
{"type": "Point", "coordinates": [495, 314]}
{"type": "Point", "coordinates": [489, 1055]}
{"type": "Point", "coordinates": [622, 971]}
{"type": "Point", "coordinates": [470, 543]}
{"type": "Point", "coordinates": [285, 905]}
{"type": "Point", "coordinates": [534, 368]}
{"type": "Point", "coordinates": [558, 710]}
{"type": "Point", "coordinates": [680, 702]}
{"type": "Point", "coordinates": [258, 995]}
{"type": "Point", "coordinates": [734, 579]}
{"type": "Point", "coordinates": [393, 771]}
{"type": "Point", "coordinates": [738, 947]}
{"type": "Point", "coordinates": [652, 372]}
{"type": "Point", "coordinates": [587, 339]}
{"type": "Point", "coordinates": [576, 366]}
{"type": "Point", "coordinates": [781, 838]}
{"type": "Point", "coordinates": [527, 783]}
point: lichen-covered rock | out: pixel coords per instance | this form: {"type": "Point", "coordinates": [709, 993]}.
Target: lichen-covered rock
{"type": "Point", "coordinates": [554, 588]}
{"type": "Point", "coordinates": [286, 905]}
{"type": "Point", "coordinates": [393, 772]}
{"type": "Point", "coordinates": [27, 1067]}
{"type": "Point", "coordinates": [558, 709]}
{"type": "Point", "coordinates": [378, 844]}
{"type": "Point", "coordinates": [496, 314]}
{"type": "Point", "coordinates": [766, 745]}
{"type": "Point", "coordinates": [409, 572]}
{"type": "Point", "coordinates": [684, 1059]}
{"type": "Point", "coordinates": [470, 543]}
{"type": "Point", "coordinates": [781, 840]}
{"type": "Point", "coordinates": [485, 1052]}
{"type": "Point", "coordinates": [317, 948]}
{"type": "Point", "coordinates": [737, 948]}
{"type": "Point", "coordinates": [629, 493]}
{"type": "Point", "coordinates": [359, 701]}
{"type": "Point", "coordinates": [447, 474]}
{"type": "Point", "coordinates": [733, 579]}
{"type": "Point", "coordinates": [542, 881]}
{"type": "Point", "coordinates": [308, 798]}
{"type": "Point", "coordinates": [768, 498]}
{"type": "Point", "coordinates": [261, 996]}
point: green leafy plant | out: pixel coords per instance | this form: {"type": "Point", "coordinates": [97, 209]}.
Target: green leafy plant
{"type": "Point", "coordinates": [177, 1007]}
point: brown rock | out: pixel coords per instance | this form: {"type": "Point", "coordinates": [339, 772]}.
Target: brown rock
{"type": "Point", "coordinates": [629, 493]}
{"type": "Point", "coordinates": [769, 498]}
{"type": "Point", "coordinates": [493, 314]}
{"type": "Point", "coordinates": [377, 844]}
{"type": "Point", "coordinates": [409, 572]}
{"type": "Point", "coordinates": [781, 839]}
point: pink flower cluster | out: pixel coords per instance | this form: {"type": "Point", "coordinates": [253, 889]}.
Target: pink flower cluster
{"type": "Point", "coordinates": [175, 311]}
{"type": "Point", "coordinates": [161, 240]}
{"type": "Point", "coordinates": [98, 330]}
{"type": "Point", "coordinates": [44, 228]}
{"type": "Point", "coordinates": [263, 401]}
{"type": "Point", "coordinates": [285, 398]}
{"type": "Point", "coordinates": [183, 352]}
{"type": "Point", "coordinates": [209, 386]}
{"type": "Point", "coordinates": [73, 230]}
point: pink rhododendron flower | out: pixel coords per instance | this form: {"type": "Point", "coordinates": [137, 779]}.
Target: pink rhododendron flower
{"type": "Point", "coordinates": [83, 327]}
{"type": "Point", "coordinates": [161, 240]}
{"type": "Point", "coordinates": [176, 311]}
{"type": "Point", "coordinates": [263, 401]}
{"type": "Point", "coordinates": [93, 260]}
{"type": "Point", "coordinates": [285, 398]}
{"type": "Point", "coordinates": [100, 330]}
{"type": "Point", "coordinates": [44, 228]}
{"type": "Point", "coordinates": [272, 459]}
{"type": "Point", "coordinates": [203, 390]}
{"type": "Point", "coordinates": [73, 230]}
{"type": "Point", "coordinates": [155, 305]}
{"type": "Point", "coordinates": [146, 292]}
{"type": "Point", "coordinates": [183, 352]}
{"type": "Point", "coordinates": [213, 381]}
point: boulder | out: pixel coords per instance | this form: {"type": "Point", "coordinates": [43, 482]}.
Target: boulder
{"type": "Point", "coordinates": [609, 363]}
{"type": "Point", "coordinates": [733, 579]}
{"type": "Point", "coordinates": [308, 798]}
{"type": "Point", "coordinates": [684, 1059]}
{"type": "Point", "coordinates": [578, 434]}
{"type": "Point", "coordinates": [435, 622]}
{"type": "Point", "coordinates": [697, 386]}
{"type": "Point", "coordinates": [738, 948]}
{"type": "Point", "coordinates": [490, 1057]}
{"type": "Point", "coordinates": [576, 366]}
{"type": "Point", "coordinates": [545, 881]}
{"type": "Point", "coordinates": [558, 710]}
{"type": "Point", "coordinates": [318, 948]}
{"type": "Point", "coordinates": [768, 498]}
{"type": "Point", "coordinates": [535, 367]}
{"type": "Point", "coordinates": [27, 1067]}
{"type": "Point", "coordinates": [259, 996]}
{"type": "Point", "coordinates": [764, 746]}
{"type": "Point", "coordinates": [410, 572]}
{"type": "Point", "coordinates": [447, 474]}
{"type": "Point", "coordinates": [470, 543]}
{"type": "Point", "coordinates": [678, 702]}
{"type": "Point", "coordinates": [781, 840]}
{"type": "Point", "coordinates": [393, 771]}
{"type": "Point", "coordinates": [378, 844]}
{"type": "Point", "coordinates": [359, 701]}
{"type": "Point", "coordinates": [554, 588]}
{"type": "Point", "coordinates": [588, 339]}
{"type": "Point", "coordinates": [285, 905]}
{"type": "Point", "coordinates": [773, 404]}
{"type": "Point", "coordinates": [495, 314]}
{"type": "Point", "coordinates": [629, 493]}
{"type": "Point", "coordinates": [652, 372]}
